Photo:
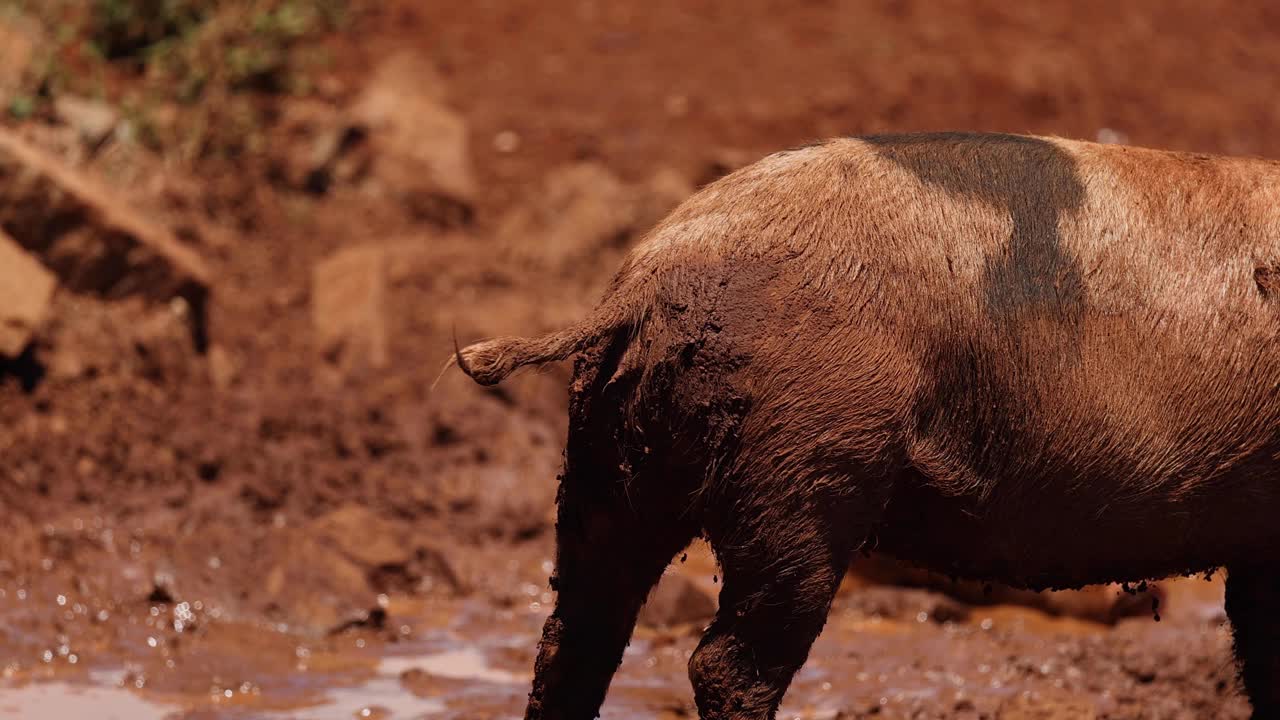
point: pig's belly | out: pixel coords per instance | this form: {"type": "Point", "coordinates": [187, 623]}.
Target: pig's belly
{"type": "Point", "coordinates": [1048, 539]}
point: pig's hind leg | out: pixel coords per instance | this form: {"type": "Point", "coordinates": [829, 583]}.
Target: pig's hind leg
{"type": "Point", "coordinates": [783, 558]}
{"type": "Point", "coordinates": [1253, 606]}
{"type": "Point", "coordinates": [619, 523]}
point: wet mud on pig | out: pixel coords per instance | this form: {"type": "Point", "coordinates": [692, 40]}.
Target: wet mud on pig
{"type": "Point", "coordinates": [1027, 360]}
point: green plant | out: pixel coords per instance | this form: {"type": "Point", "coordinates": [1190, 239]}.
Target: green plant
{"type": "Point", "coordinates": [210, 58]}
{"type": "Point", "coordinates": [22, 107]}
{"type": "Point", "coordinates": [124, 28]}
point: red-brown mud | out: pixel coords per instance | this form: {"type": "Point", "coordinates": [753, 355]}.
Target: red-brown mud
{"type": "Point", "coordinates": [280, 529]}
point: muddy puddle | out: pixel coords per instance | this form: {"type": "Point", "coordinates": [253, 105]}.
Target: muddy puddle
{"type": "Point", "coordinates": [886, 652]}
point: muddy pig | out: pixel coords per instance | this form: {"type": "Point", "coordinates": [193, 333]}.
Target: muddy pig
{"type": "Point", "coordinates": [1027, 360]}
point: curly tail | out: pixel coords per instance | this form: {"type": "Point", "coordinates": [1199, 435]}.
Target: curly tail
{"type": "Point", "coordinates": [625, 305]}
{"type": "Point", "coordinates": [491, 361]}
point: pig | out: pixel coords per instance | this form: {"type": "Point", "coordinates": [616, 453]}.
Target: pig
{"type": "Point", "coordinates": [1027, 360]}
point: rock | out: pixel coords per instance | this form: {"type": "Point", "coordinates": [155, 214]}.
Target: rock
{"type": "Point", "coordinates": [323, 575]}
{"type": "Point", "coordinates": [321, 148]}
{"type": "Point", "coordinates": [92, 239]}
{"type": "Point", "coordinates": [348, 307]}
{"type": "Point", "coordinates": [26, 289]}
{"type": "Point", "coordinates": [374, 618]}
{"type": "Point", "coordinates": [66, 364]}
{"type": "Point", "coordinates": [335, 155]}
{"type": "Point", "coordinates": [363, 537]}
{"type": "Point", "coordinates": [677, 600]}
{"type": "Point", "coordinates": [321, 592]}
{"type": "Point", "coordinates": [501, 501]}
{"type": "Point", "coordinates": [581, 210]}
{"type": "Point", "coordinates": [421, 146]}
{"type": "Point", "coordinates": [160, 345]}
{"type": "Point", "coordinates": [222, 370]}
{"type": "Point", "coordinates": [93, 120]}
{"type": "Point", "coordinates": [903, 603]}
{"type": "Point", "coordinates": [329, 573]}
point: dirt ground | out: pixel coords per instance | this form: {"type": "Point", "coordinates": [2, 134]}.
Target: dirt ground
{"type": "Point", "coordinates": [294, 523]}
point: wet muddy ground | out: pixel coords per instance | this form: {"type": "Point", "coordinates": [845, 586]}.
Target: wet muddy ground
{"type": "Point", "coordinates": [886, 652]}
{"type": "Point", "coordinates": [294, 523]}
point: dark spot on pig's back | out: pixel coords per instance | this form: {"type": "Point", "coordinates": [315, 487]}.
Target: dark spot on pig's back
{"type": "Point", "coordinates": [1034, 181]}
{"type": "Point", "coordinates": [971, 408]}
